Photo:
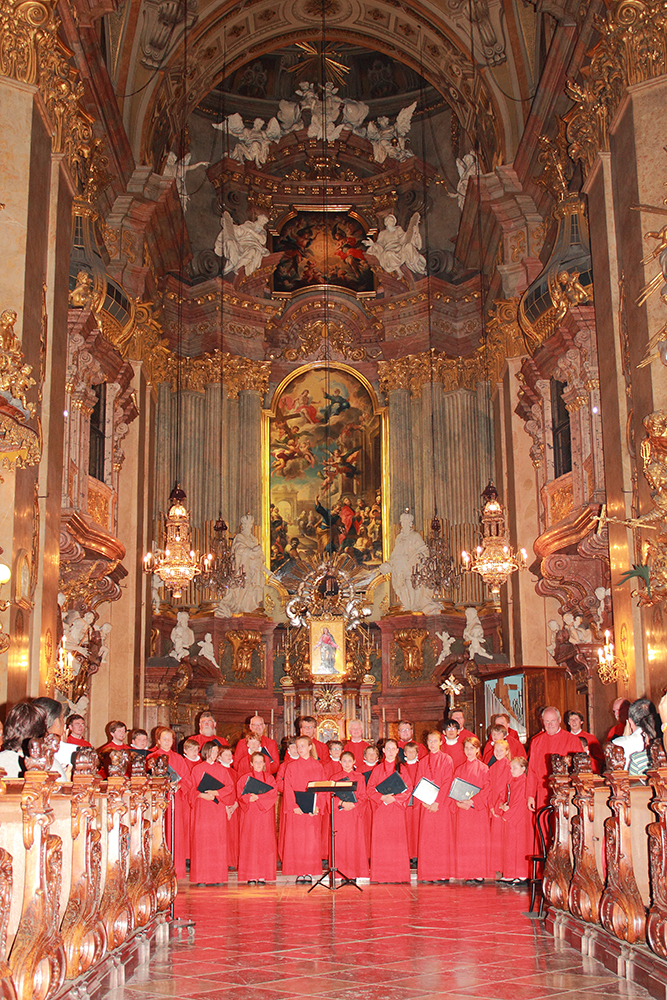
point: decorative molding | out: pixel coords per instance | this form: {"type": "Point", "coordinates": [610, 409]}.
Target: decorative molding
{"type": "Point", "coordinates": [20, 445]}
{"type": "Point", "coordinates": [244, 643]}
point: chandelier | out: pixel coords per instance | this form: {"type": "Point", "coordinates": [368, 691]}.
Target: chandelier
{"type": "Point", "coordinates": [435, 570]}
{"type": "Point", "coordinates": [177, 564]}
{"type": "Point", "coordinates": [218, 569]}
{"type": "Point", "coordinates": [494, 559]}
{"type": "Point", "coordinates": [610, 667]}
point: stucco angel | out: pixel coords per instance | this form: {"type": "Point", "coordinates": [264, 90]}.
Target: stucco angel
{"type": "Point", "coordinates": [395, 247]}
{"type": "Point", "coordinates": [179, 170]}
{"type": "Point", "coordinates": [242, 246]}
{"type": "Point", "coordinates": [388, 138]}
{"type": "Point", "coordinates": [251, 143]}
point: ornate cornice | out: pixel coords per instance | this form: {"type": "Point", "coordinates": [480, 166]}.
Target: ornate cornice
{"type": "Point", "coordinates": [632, 49]}
{"type": "Point", "coordinates": [32, 53]}
{"type": "Point", "coordinates": [194, 374]}
{"type": "Point", "coordinates": [504, 340]}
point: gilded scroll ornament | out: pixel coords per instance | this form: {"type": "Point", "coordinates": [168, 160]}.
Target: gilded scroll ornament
{"type": "Point", "coordinates": [196, 373]}
{"type": "Point", "coordinates": [15, 375]}
{"type": "Point", "coordinates": [244, 642]}
{"type": "Point", "coordinates": [631, 50]}
{"type": "Point", "coordinates": [411, 643]}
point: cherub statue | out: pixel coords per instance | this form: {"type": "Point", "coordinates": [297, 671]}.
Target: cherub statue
{"type": "Point", "coordinates": [447, 641]}
{"type": "Point", "coordinates": [81, 296]}
{"type": "Point", "coordinates": [395, 247]}
{"type": "Point", "coordinates": [251, 143]}
{"type": "Point", "coordinates": [577, 632]}
{"type": "Point", "coordinates": [473, 634]}
{"type": "Point", "coordinates": [243, 245]}
{"type": "Point", "coordinates": [207, 651]}
{"type": "Point", "coordinates": [388, 138]}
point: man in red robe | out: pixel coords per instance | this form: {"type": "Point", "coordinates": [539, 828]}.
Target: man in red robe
{"type": "Point", "coordinates": [75, 729]}
{"type": "Point", "coordinates": [552, 739]}
{"type": "Point", "coordinates": [257, 727]}
{"type": "Point", "coordinates": [452, 743]}
{"type": "Point", "coordinates": [575, 723]}
{"type": "Point", "coordinates": [620, 710]}
{"type": "Point", "coordinates": [117, 732]}
{"type": "Point", "coordinates": [406, 735]}
{"type": "Point", "coordinates": [458, 716]}
{"type": "Point", "coordinates": [356, 743]}
{"type": "Point", "coordinates": [207, 728]}
{"type": "Point", "coordinates": [308, 727]}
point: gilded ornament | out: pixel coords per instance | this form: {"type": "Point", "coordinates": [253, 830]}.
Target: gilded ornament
{"type": "Point", "coordinates": [411, 643]}
{"type": "Point", "coordinates": [81, 296]}
{"type": "Point", "coordinates": [244, 643]}
{"type": "Point", "coordinates": [561, 503]}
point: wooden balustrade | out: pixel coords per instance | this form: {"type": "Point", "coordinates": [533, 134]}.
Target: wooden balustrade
{"type": "Point", "coordinates": [84, 866]}
{"type": "Point", "coordinates": [607, 864]}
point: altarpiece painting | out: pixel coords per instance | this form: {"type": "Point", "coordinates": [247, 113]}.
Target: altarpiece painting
{"type": "Point", "coordinates": [322, 248]}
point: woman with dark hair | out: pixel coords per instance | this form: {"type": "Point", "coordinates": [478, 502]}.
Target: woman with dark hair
{"type": "Point", "coordinates": [390, 857]}
{"type": "Point", "coordinates": [471, 830]}
{"type": "Point", "coordinates": [25, 721]}
{"type": "Point", "coordinates": [643, 725]}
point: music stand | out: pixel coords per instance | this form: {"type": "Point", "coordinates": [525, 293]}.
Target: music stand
{"type": "Point", "coordinates": [330, 789]}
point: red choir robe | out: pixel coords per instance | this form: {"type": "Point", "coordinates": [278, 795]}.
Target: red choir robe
{"type": "Point", "coordinates": [242, 757]}
{"type": "Point", "coordinates": [421, 749]}
{"type": "Point", "coordinates": [412, 809]}
{"type": "Point", "coordinates": [594, 749]}
{"type": "Point", "coordinates": [332, 767]}
{"type": "Point", "coordinates": [79, 743]}
{"type": "Point", "coordinates": [233, 825]}
{"type": "Point", "coordinates": [499, 776]}
{"type": "Point", "coordinates": [517, 749]}
{"type": "Point", "coordinates": [435, 858]}
{"type": "Point", "coordinates": [364, 775]}
{"type": "Point", "coordinates": [322, 751]}
{"type": "Point", "coordinates": [539, 762]}
{"type": "Point", "coordinates": [208, 848]}
{"type": "Point", "coordinates": [358, 750]}
{"type": "Point", "coordinates": [454, 750]}
{"type": "Point", "coordinates": [517, 834]}
{"type": "Point", "coordinates": [301, 833]}
{"type": "Point", "coordinates": [616, 730]}
{"type": "Point", "coordinates": [390, 859]}
{"type": "Point", "coordinates": [258, 848]}
{"type": "Point", "coordinates": [471, 826]}
{"type": "Point", "coordinates": [350, 829]}
{"type": "Point", "coordinates": [182, 802]}
{"type": "Point", "coordinates": [464, 734]}
{"type": "Point", "coordinates": [220, 740]}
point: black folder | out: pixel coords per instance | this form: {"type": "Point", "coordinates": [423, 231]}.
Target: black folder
{"type": "Point", "coordinates": [207, 783]}
{"type": "Point", "coordinates": [367, 775]}
{"type": "Point", "coordinates": [462, 790]}
{"type": "Point", "coordinates": [266, 753]}
{"type": "Point", "coordinates": [393, 785]}
{"type": "Point", "coordinates": [305, 801]}
{"type": "Point", "coordinates": [254, 786]}
{"type": "Point", "coordinates": [347, 794]}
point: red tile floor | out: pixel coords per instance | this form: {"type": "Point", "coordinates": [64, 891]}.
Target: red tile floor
{"type": "Point", "coordinates": [391, 942]}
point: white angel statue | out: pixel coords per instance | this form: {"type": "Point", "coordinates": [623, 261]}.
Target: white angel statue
{"type": "Point", "coordinates": [447, 641]}
{"type": "Point", "coordinates": [251, 143]}
{"type": "Point", "coordinates": [354, 115]}
{"type": "Point", "coordinates": [394, 247]}
{"type": "Point", "coordinates": [179, 170]}
{"type": "Point", "coordinates": [467, 167]}
{"type": "Point", "coordinates": [242, 246]}
{"type": "Point", "coordinates": [289, 117]}
{"type": "Point", "coordinates": [388, 138]}
{"type": "Point", "coordinates": [323, 114]}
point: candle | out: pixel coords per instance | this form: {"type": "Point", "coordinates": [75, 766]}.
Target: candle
{"type": "Point", "coordinates": [399, 715]}
{"type": "Point", "coordinates": [271, 716]}
{"type": "Point", "coordinates": [383, 714]}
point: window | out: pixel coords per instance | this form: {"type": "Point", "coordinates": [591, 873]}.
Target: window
{"type": "Point", "coordinates": [560, 426]}
{"type": "Point", "coordinates": [97, 421]}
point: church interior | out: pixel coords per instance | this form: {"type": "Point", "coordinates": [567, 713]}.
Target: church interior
{"type": "Point", "coordinates": [332, 336]}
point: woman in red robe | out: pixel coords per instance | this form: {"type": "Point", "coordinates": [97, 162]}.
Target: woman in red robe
{"type": "Point", "coordinates": [349, 822]}
{"type": "Point", "coordinates": [302, 840]}
{"type": "Point", "coordinates": [165, 741]}
{"type": "Point", "coordinates": [226, 758]}
{"type": "Point", "coordinates": [517, 835]}
{"type": "Point", "coordinates": [499, 775]}
{"type": "Point", "coordinates": [412, 810]}
{"type": "Point", "coordinates": [435, 858]}
{"type": "Point", "coordinates": [258, 848]}
{"type": "Point", "coordinates": [390, 858]}
{"type": "Point", "coordinates": [471, 830]}
{"type": "Point", "coordinates": [210, 819]}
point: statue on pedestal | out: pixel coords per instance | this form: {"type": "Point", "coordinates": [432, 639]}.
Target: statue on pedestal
{"type": "Point", "coordinates": [182, 637]}
{"type": "Point", "coordinates": [473, 633]}
{"type": "Point", "coordinates": [408, 550]}
{"type": "Point", "coordinates": [249, 557]}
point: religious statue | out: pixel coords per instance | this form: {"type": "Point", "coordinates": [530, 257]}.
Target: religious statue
{"type": "Point", "coordinates": [577, 632]}
{"type": "Point", "coordinates": [473, 634]}
{"type": "Point", "coordinates": [81, 296]}
{"type": "Point", "coordinates": [207, 651]}
{"type": "Point", "coordinates": [76, 632]}
{"type": "Point", "coordinates": [447, 641]}
{"type": "Point", "coordinates": [467, 168]}
{"type": "Point", "coordinates": [395, 247]}
{"type": "Point", "coordinates": [554, 629]}
{"type": "Point", "coordinates": [323, 114]}
{"type": "Point", "coordinates": [388, 138]}
{"type": "Point", "coordinates": [251, 143]}
{"type": "Point", "coordinates": [179, 170]}
{"type": "Point", "coordinates": [182, 637]}
{"type": "Point", "coordinates": [242, 246]}
{"type": "Point", "coordinates": [408, 550]}
{"type": "Point", "coordinates": [602, 594]}
{"type": "Point", "coordinates": [248, 556]}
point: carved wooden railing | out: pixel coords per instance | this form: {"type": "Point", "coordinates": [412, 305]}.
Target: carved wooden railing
{"type": "Point", "coordinates": [607, 864]}
{"type": "Point", "coordinates": [82, 866]}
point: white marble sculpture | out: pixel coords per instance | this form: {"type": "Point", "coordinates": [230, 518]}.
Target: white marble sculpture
{"type": "Point", "coordinates": [601, 593]}
{"type": "Point", "coordinates": [408, 550]}
{"type": "Point", "coordinates": [248, 556]}
{"type": "Point", "coordinates": [182, 637]}
{"type": "Point", "coordinates": [578, 633]}
{"type": "Point", "coordinates": [179, 170]}
{"type": "Point", "coordinates": [388, 138]}
{"type": "Point", "coordinates": [77, 631]}
{"type": "Point", "coordinates": [243, 245]}
{"type": "Point", "coordinates": [289, 116]}
{"type": "Point", "coordinates": [156, 583]}
{"type": "Point", "coordinates": [250, 143]}
{"type": "Point", "coordinates": [474, 634]}
{"type": "Point", "coordinates": [554, 629]}
{"type": "Point", "coordinates": [105, 631]}
{"type": "Point", "coordinates": [447, 641]}
{"type": "Point", "coordinates": [395, 247]}
{"type": "Point", "coordinates": [467, 167]}
{"type": "Point", "coordinates": [207, 651]}
{"type": "Point", "coordinates": [323, 113]}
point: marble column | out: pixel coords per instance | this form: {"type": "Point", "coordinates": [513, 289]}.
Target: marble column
{"type": "Point", "coordinates": [164, 473]}
{"type": "Point", "coordinates": [249, 446]}
{"type": "Point", "coordinates": [191, 453]}
{"type": "Point", "coordinates": [435, 449]}
{"type": "Point", "coordinates": [401, 464]}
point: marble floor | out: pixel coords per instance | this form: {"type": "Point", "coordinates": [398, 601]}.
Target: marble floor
{"type": "Point", "coordinates": [391, 942]}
